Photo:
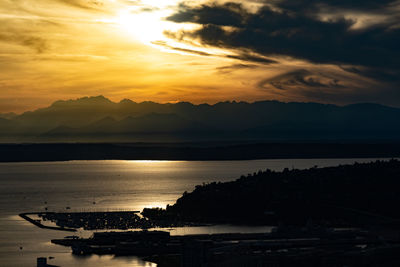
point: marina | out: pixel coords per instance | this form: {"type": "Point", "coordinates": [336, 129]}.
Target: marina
{"type": "Point", "coordinates": [121, 220]}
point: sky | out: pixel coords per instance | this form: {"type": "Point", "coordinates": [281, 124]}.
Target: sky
{"type": "Point", "coordinates": [327, 51]}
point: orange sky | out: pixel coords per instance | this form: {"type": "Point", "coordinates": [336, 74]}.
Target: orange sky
{"type": "Point", "coordinates": [61, 49]}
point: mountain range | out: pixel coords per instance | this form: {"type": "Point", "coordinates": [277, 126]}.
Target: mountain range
{"type": "Point", "coordinates": [99, 119]}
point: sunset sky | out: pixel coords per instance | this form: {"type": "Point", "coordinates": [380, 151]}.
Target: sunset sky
{"type": "Point", "coordinates": [329, 51]}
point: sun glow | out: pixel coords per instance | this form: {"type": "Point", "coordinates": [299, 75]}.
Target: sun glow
{"type": "Point", "coordinates": [147, 24]}
{"type": "Point", "coordinates": [144, 26]}
{"type": "Point", "coordinates": [146, 21]}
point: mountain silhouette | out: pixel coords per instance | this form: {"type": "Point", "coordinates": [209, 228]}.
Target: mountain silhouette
{"type": "Point", "coordinates": [100, 119]}
{"type": "Point", "coordinates": [9, 115]}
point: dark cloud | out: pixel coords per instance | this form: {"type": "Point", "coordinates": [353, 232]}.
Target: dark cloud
{"type": "Point", "coordinates": [253, 58]}
{"type": "Point", "coordinates": [384, 75]}
{"type": "Point", "coordinates": [283, 28]}
{"type": "Point", "coordinates": [344, 4]}
{"type": "Point", "coordinates": [300, 78]}
{"type": "Point", "coordinates": [318, 86]}
{"type": "Point", "coordinates": [241, 56]}
{"type": "Point", "coordinates": [282, 33]}
{"type": "Point", "coordinates": [228, 14]}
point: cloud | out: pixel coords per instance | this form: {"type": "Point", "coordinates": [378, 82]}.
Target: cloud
{"type": "Point", "coordinates": [179, 49]}
{"type": "Point", "coordinates": [313, 31]}
{"type": "Point", "coordinates": [270, 32]}
{"type": "Point", "coordinates": [332, 51]}
{"type": "Point", "coordinates": [327, 85]}
{"type": "Point", "coordinates": [239, 56]}
{"type": "Point", "coordinates": [384, 75]}
{"type": "Point", "coordinates": [27, 31]}
{"type": "Point", "coordinates": [84, 4]}
{"type": "Point", "coordinates": [228, 14]}
{"type": "Point", "coordinates": [252, 57]}
{"type": "Point", "coordinates": [233, 67]}
{"type": "Point", "coordinates": [300, 78]}
{"type": "Point", "coordinates": [345, 4]}
{"type": "Point", "coordinates": [34, 42]}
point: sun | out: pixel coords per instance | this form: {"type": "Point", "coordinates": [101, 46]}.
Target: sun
{"type": "Point", "coordinates": [144, 26]}
{"type": "Point", "coordinates": [146, 22]}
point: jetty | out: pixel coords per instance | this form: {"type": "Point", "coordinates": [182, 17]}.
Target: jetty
{"type": "Point", "coordinates": [39, 223]}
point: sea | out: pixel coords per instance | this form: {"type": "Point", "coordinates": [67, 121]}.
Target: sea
{"type": "Point", "coordinates": [110, 185]}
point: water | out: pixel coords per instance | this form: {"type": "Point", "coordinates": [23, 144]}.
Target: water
{"type": "Point", "coordinates": [112, 185]}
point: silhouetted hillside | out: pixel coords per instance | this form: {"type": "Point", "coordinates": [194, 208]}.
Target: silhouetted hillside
{"type": "Point", "coordinates": [149, 123]}
{"type": "Point", "coordinates": [99, 119]}
{"type": "Point", "coordinates": [9, 115]}
{"type": "Point", "coordinates": [359, 194]}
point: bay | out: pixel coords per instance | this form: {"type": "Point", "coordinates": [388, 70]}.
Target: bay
{"type": "Point", "coordinates": [109, 185]}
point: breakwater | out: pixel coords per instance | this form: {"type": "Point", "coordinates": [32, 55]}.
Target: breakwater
{"type": "Point", "coordinates": [39, 224]}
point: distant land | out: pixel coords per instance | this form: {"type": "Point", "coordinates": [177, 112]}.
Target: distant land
{"type": "Point", "coordinates": [99, 120]}
{"type": "Point", "coordinates": [193, 151]}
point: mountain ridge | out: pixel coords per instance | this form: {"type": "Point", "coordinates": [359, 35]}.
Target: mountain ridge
{"type": "Point", "coordinates": [105, 120]}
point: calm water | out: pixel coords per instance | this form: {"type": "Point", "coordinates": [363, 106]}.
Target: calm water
{"type": "Point", "coordinates": [112, 185]}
